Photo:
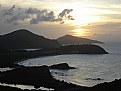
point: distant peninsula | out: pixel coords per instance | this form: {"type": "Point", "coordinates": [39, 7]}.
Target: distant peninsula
{"type": "Point", "coordinates": [70, 40]}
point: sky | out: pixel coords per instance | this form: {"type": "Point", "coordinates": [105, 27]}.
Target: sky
{"type": "Point", "coordinates": [94, 19]}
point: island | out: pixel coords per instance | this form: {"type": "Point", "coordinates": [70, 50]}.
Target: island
{"type": "Point", "coordinates": [61, 66]}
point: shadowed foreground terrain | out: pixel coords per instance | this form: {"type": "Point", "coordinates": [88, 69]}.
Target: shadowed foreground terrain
{"type": "Point", "coordinates": [7, 88]}
{"type": "Point", "coordinates": [40, 76]}
{"type": "Point", "coordinates": [35, 76]}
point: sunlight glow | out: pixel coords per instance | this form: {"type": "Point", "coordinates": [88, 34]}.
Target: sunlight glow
{"type": "Point", "coordinates": [79, 32]}
{"type": "Point", "coordinates": [84, 15]}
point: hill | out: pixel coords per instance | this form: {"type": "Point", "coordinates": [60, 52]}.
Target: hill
{"type": "Point", "coordinates": [70, 40]}
{"type": "Point", "coordinates": [81, 49]}
{"type": "Point", "coordinates": [24, 39]}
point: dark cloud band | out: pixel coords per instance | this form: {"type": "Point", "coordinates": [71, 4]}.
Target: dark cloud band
{"type": "Point", "coordinates": [34, 15]}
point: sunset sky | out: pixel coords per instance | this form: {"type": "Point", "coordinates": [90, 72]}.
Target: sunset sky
{"type": "Point", "coordinates": [95, 19]}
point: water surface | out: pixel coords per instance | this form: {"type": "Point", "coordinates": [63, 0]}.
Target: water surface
{"type": "Point", "coordinates": [89, 67]}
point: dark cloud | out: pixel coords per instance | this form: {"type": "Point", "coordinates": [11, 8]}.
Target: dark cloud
{"type": "Point", "coordinates": [65, 13]}
{"type": "Point", "coordinates": [12, 8]}
{"type": "Point", "coordinates": [9, 11]}
{"type": "Point", "coordinates": [46, 16]}
{"type": "Point", "coordinates": [32, 11]}
{"type": "Point", "coordinates": [17, 17]}
{"type": "Point", "coordinates": [16, 14]}
{"type": "Point", "coordinates": [43, 16]}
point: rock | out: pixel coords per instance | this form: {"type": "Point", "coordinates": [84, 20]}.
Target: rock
{"type": "Point", "coordinates": [61, 66]}
{"type": "Point", "coordinates": [96, 79]}
{"type": "Point", "coordinates": [107, 86]}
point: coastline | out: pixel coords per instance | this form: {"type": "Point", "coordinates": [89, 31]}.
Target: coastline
{"type": "Point", "coordinates": [21, 55]}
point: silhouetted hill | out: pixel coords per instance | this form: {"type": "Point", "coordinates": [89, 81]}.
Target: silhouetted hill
{"type": "Point", "coordinates": [23, 38]}
{"type": "Point", "coordinates": [81, 49]}
{"type": "Point", "coordinates": [69, 40]}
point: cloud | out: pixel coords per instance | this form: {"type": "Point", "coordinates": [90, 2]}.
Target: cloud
{"type": "Point", "coordinates": [46, 16]}
{"type": "Point", "coordinates": [32, 11]}
{"type": "Point", "coordinates": [112, 16]}
{"type": "Point", "coordinates": [9, 11]}
{"type": "Point", "coordinates": [105, 31]}
{"type": "Point", "coordinates": [17, 17]}
{"type": "Point", "coordinates": [64, 13]}
{"type": "Point", "coordinates": [12, 8]}
{"type": "Point", "coordinates": [34, 16]}
{"type": "Point", "coordinates": [43, 16]}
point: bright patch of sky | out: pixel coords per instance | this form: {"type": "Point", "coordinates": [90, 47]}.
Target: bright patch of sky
{"type": "Point", "coordinates": [89, 18]}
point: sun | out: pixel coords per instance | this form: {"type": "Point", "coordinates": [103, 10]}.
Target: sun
{"type": "Point", "coordinates": [83, 16]}
{"type": "Point", "coordinates": [79, 32]}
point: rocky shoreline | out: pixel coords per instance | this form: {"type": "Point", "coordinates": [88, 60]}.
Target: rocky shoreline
{"type": "Point", "coordinates": [41, 76]}
{"type": "Point", "coordinates": [37, 77]}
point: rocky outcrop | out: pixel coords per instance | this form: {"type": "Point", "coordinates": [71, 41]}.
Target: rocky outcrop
{"type": "Point", "coordinates": [61, 66]}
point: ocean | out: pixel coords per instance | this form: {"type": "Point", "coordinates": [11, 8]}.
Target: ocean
{"type": "Point", "coordinates": [91, 69]}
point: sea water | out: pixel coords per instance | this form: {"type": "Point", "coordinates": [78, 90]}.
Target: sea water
{"type": "Point", "coordinates": [91, 69]}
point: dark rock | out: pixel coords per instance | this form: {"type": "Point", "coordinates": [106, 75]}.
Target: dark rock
{"type": "Point", "coordinates": [61, 66]}
{"type": "Point", "coordinates": [96, 79]}
{"type": "Point", "coordinates": [107, 86]}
